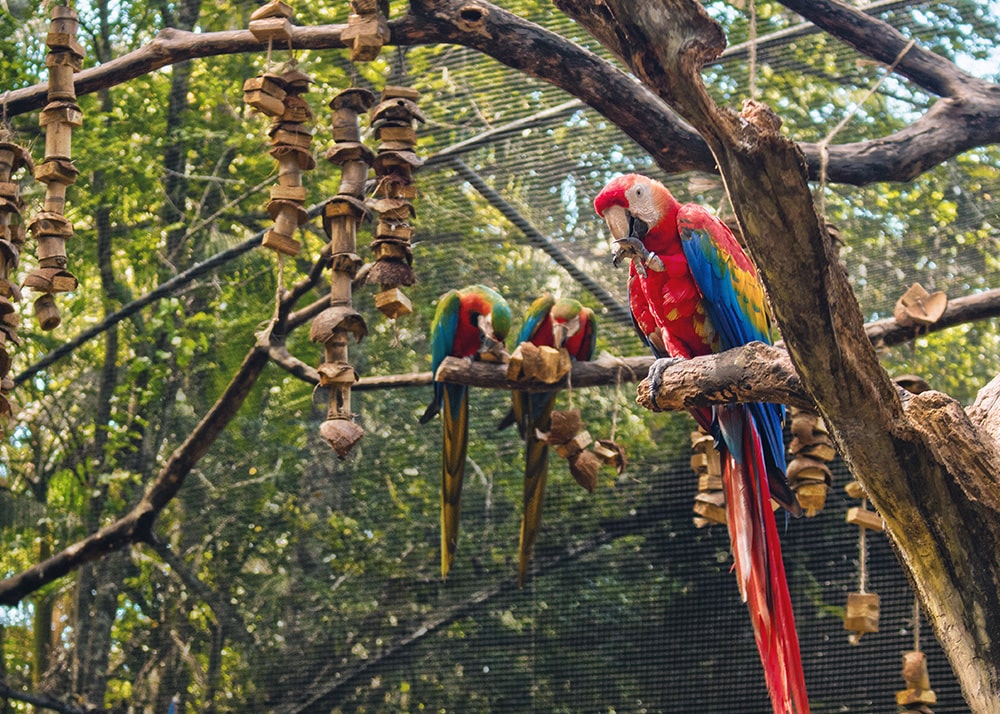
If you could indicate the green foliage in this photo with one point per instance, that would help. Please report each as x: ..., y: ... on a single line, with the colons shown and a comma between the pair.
x: 283, y: 570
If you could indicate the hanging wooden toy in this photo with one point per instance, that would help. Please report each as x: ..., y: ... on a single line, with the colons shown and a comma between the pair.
x: 571, y: 439
x: 710, y: 501
x: 540, y: 363
x: 291, y: 142
x: 12, y: 237
x: 610, y: 452
x: 862, y: 613
x: 266, y: 92
x: 367, y: 29
x: 394, y: 120
x: 277, y: 93
x: 61, y: 115
x: 918, y: 695
x: 919, y: 308
x: 341, y: 217
x: 811, y: 448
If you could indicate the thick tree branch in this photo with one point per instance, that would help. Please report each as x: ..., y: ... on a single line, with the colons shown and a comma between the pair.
x: 884, y: 43
x: 8, y: 692
x: 963, y: 119
x: 754, y: 373
x: 136, y: 525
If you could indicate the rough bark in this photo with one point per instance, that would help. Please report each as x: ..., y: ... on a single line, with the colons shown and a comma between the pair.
x: 947, y: 541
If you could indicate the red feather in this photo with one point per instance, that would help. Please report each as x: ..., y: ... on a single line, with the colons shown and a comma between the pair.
x: 760, y: 569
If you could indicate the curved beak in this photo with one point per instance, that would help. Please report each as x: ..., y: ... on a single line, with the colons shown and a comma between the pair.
x: 617, y: 219
x: 562, y: 331
x: 627, y: 233
x: 491, y: 349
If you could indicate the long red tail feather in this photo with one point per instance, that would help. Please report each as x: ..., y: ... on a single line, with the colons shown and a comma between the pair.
x: 760, y: 572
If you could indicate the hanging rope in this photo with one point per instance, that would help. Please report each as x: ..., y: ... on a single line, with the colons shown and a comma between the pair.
x: 752, y: 46
x: 824, y: 144
x: 863, y: 556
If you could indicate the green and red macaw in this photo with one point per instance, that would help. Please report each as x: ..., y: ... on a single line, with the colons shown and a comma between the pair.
x: 563, y: 323
x: 470, y: 322
x: 693, y: 291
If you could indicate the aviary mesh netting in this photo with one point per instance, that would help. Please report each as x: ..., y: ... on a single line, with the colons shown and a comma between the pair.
x: 289, y: 581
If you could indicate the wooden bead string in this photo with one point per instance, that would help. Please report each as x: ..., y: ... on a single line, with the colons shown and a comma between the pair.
x: 50, y: 227
x: 862, y: 611
x: 341, y: 217
x: 811, y: 449
x: 278, y: 94
x: 394, y: 120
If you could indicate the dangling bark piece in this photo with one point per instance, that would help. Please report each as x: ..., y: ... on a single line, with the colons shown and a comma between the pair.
x: 271, y: 22
x: 367, y: 29
x: 862, y: 614
x: 571, y: 440
x: 612, y: 454
x: 544, y: 364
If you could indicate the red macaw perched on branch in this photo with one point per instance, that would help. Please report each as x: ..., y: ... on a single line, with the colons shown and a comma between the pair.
x: 693, y: 291
x: 548, y: 323
x: 469, y: 323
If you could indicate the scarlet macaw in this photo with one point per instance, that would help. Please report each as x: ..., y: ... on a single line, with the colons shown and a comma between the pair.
x: 470, y: 322
x: 693, y: 291
x: 548, y: 323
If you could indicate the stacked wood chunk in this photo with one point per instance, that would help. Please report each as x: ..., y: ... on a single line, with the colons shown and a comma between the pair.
x: 394, y: 120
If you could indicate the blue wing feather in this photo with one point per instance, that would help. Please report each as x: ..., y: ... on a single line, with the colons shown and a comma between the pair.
x: 739, y: 316
x: 443, y: 330
x: 535, y: 316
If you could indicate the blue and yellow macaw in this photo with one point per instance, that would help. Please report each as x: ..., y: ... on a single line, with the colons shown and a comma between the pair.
x: 693, y: 291
x: 470, y: 322
x: 562, y: 323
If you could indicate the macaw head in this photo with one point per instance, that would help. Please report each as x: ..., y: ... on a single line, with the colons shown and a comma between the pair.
x: 633, y: 207
x: 492, y: 317
x: 566, y: 320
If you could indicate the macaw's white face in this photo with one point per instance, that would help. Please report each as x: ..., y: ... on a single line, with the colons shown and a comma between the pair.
x: 563, y: 330
x: 641, y: 206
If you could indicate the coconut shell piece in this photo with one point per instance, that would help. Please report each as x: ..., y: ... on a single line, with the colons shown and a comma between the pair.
x: 390, y: 274
x: 341, y: 435
x: 357, y: 99
x: 339, y: 316
x: 919, y: 307
x: 349, y: 151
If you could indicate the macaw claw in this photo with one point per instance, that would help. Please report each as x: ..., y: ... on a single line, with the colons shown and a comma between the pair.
x: 632, y: 247
x: 655, y: 376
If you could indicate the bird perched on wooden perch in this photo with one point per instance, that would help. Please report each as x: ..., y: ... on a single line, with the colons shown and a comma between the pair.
x: 693, y: 291
x: 471, y: 322
x: 560, y: 324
